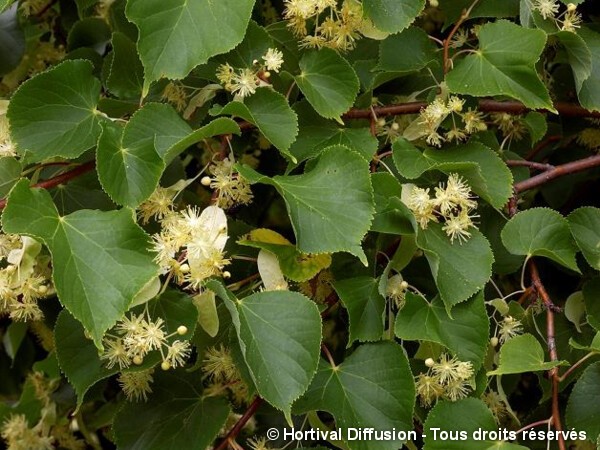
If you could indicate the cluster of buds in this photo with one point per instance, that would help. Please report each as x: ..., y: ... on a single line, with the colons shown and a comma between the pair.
x: 24, y: 279
x: 339, y: 29
x: 223, y: 375
x: 243, y: 82
x: 453, y: 204
x: 190, y: 245
x: 464, y: 123
x: 137, y: 335
x: 230, y: 188
x: 568, y: 20
x: 447, y: 378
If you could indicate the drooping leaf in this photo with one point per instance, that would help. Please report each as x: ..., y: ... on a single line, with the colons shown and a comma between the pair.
x: 483, y: 169
x: 521, y: 354
x: 328, y: 82
x: 365, y: 305
x: 503, y: 65
x: 54, y: 113
x: 175, y: 416
x: 331, y: 206
x: 459, y: 269
x: 408, y: 51
x: 271, y: 113
x: 541, y: 232
x: 130, y: 160
x: 279, y: 334
x: 392, y: 15
x: 579, y: 56
x: 469, y: 416
x: 373, y: 387
x: 465, y: 333
x: 10, y: 172
x: 585, y: 228
x: 589, y: 94
x: 125, y: 77
x: 583, y: 409
x: 173, y: 41
x: 100, y: 259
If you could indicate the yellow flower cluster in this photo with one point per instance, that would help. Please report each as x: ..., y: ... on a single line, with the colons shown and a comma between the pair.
x: 569, y: 20
x: 220, y: 369
x: 231, y: 188
x: 7, y: 147
x: 447, y: 378
x: 453, y: 204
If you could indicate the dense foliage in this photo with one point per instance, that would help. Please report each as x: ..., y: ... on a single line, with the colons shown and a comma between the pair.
x: 222, y: 217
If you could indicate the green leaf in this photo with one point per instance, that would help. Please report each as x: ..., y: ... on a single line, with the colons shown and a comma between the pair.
x: 125, y: 77
x: 536, y: 124
x: 331, y: 206
x: 13, y: 338
x: 12, y: 40
x: 130, y: 160
x: 328, y: 82
x: 99, y: 258
x: 173, y: 41
x: 392, y: 15
x: 485, y: 172
x: 503, y: 65
x: 271, y: 113
x: 541, y: 232
x: 589, y: 94
x: 391, y: 215
x: 459, y: 270
x: 365, y: 305
x: 470, y: 416
x: 54, y: 113
x: 279, y: 333
x: 373, y: 387
x: 78, y: 356
x: 585, y: 228
x: 10, y: 172
x: 579, y: 56
x: 521, y: 354
x: 484, y: 8
x: 255, y: 44
x: 408, y: 51
x: 583, y: 409
x: 90, y: 32
x: 591, y: 294
x: 465, y: 333
x: 317, y: 133
x: 176, y: 416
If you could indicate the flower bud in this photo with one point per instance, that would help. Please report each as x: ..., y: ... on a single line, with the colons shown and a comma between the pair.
x: 138, y: 360
x: 226, y: 274
x: 494, y: 341
x: 165, y: 365
x: 205, y: 181
x: 429, y: 362
x: 571, y: 7
x: 181, y: 330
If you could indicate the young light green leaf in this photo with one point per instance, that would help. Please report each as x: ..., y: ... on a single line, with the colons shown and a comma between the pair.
x: 130, y: 160
x: 521, y: 354
x: 331, y: 206
x: 575, y: 309
x: 10, y: 172
x: 173, y: 41
x: 271, y: 113
x: 583, y: 409
x: 541, y: 232
x: 408, y: 51
x: 459, y: 270
x: 503, y: 65
x: 208, y: 317
x: 78, y: 356
x: 279, y: 333
x: 176, y: 416
x: 469, y: 415
x: 486, y: 173
x: 54, y: 113
x: 373, y: 387
x: 100, y: 259
x: 125, y: 77
x: 465, y: 334
x: 585, y: 228
x: 328, y: 82
x: 392, y: 15
x: 365, y: 305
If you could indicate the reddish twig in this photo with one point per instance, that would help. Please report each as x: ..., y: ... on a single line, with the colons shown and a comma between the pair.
x: 551, y: 342
x: 530, y: 164
x: 533, y: 425
x: 60, y: 179
x: 232, y: 434
x: 557, y: 171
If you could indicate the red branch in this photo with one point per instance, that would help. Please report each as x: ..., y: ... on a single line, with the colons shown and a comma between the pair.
x: 60, y: 179
x: 553, y: 373
x: 558, y: 171
x: 231, y: 435
x: 530, y: 164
